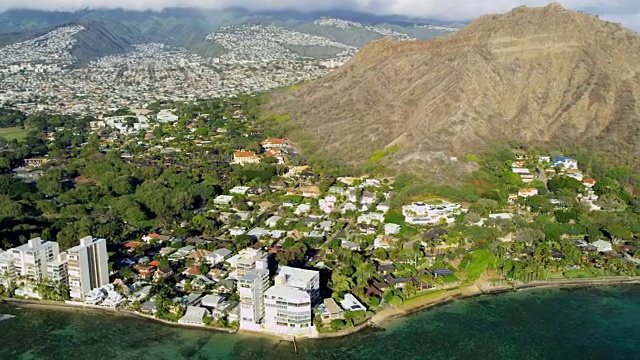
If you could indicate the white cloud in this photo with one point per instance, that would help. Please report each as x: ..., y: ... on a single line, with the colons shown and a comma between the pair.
x: 626, y: 11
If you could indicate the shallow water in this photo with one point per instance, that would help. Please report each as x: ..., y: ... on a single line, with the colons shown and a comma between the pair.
x: 585, y: 323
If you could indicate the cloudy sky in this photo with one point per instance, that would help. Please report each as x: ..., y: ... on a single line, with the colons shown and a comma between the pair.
x: 625, y: 11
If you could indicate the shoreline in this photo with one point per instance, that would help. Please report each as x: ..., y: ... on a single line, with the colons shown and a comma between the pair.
x: 56, y: 305
x: 385, y: 316
x: 475, y: 290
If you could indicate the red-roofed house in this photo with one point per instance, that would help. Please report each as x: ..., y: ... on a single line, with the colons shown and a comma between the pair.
x: 153, y: 236
x: 275, y: 153
x: 192, y: 271
x: 588, y: 183
x: 271, y: 143
x: 245, y: 157
x: 528, y: 192
x: 145, y: 271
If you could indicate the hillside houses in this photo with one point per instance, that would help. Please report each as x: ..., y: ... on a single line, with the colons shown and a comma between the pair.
x: 420, y: 213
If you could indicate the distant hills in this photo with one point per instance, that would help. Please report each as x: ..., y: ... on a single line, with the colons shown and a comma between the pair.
x: 532, y: 76
x: 114, y: 31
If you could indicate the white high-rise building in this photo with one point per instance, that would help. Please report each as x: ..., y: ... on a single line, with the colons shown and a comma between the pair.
x: 288, y: 309
x: 88, y: 266
x: 57, y: 271
x: 301, y: 279
x: 7, y: 268
x: 252, y: 287
x: 247, y: 260
x: 31, y: 259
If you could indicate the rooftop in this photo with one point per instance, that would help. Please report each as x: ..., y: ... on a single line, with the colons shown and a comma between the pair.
x: 297, y: 276
x: 287, y: 292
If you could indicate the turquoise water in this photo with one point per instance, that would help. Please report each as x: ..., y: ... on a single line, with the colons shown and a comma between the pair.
x: 586, y: 323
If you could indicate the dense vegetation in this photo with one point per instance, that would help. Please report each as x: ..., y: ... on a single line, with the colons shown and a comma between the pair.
x: 89, y: 189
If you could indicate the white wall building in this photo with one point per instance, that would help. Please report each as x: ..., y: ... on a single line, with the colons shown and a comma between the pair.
x: 31, y: 259
x: 57, y: 271
x: 252, y: 288
x: 420, y: 213
x: 7, y: 267
x: 287, y: 309
x: 248, y: 260
x: 301, y: 279
x: 88, y: 266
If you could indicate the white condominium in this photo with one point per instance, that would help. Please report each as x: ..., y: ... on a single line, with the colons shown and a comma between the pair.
x: 31, y: 259
x: 87, y: 266
x: 301, y: 279
x: 247, y: 261
x: 252, y: 288
x: 7, y: 268
x: 287, y: 309
x: 57, y: 269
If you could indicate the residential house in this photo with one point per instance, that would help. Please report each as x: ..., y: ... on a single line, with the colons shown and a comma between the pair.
x: 368, y: 198
x: 602, y: 246
x: 420, y: 213
x: 199, y: 255
x: 329, y: 310
x: 383, y: 242
x: 218, y: 256
x: 324, y: 226
x: 218, y: 305
x: 328, y: 204
x: 565, y: 162
x: 35, y: 162
x: 312, y: 192
x: 348, y: 207
x: 272, y: 143
x: 273, y: 221
x: 528, y: 192
x: 383, y: 207
x: 245, y: 157
x: 351, y: 303
x: 226, y: 286
x: 391, y: 229
x: 239, y: 190
x: 237, y: 231
x: 223, y: 200
x: 371, y: 217
x: 302, y: 209
x: 145, y: 271
x: 194, y: 316
x: 182, y: 253
x: 349, y: 245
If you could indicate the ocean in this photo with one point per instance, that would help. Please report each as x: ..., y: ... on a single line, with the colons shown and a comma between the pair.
x: 575, y: 323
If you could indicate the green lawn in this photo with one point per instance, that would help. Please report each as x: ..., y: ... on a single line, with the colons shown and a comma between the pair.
x: 17, y: 133
x: 394, y: 217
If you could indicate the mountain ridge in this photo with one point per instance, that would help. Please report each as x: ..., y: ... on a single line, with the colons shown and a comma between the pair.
x: 544, y: 75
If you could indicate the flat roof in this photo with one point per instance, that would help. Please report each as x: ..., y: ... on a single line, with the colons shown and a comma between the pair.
x: 296, y: 274
x: 331, y: 306
x: 287, y: 292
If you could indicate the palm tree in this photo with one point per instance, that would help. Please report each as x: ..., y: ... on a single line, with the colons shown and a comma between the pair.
x: 363, y: 272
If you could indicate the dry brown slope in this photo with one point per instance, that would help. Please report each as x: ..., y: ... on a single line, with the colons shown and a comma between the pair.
x: 532, y: 75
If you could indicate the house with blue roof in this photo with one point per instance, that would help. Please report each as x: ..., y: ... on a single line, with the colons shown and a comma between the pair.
x: 567, y: 163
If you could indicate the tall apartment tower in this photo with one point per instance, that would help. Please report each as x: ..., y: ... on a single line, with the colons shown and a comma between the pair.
x: 249, y: 260
x: 252, y: 287
x: 57, y: 271
x: 88, y: 266
x: 7, y: 268
x: 31, y: 259
x: 287, y: 309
